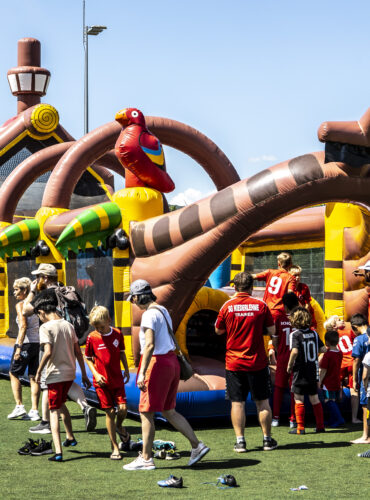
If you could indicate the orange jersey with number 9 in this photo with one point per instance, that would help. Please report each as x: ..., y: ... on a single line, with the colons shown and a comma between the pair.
x: 278, y: 283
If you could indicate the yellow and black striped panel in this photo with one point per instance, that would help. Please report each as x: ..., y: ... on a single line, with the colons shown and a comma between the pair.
x: 237, y: 262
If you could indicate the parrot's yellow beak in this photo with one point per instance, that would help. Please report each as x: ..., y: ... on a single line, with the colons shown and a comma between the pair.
x: 121, y: 116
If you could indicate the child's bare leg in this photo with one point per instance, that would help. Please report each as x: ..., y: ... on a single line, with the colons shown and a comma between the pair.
x: 121, y: 415
x: 67, y: 421
x: 55, y: 430
x: 110, y: 421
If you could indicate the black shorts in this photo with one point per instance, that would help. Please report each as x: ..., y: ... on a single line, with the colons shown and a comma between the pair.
x: 29, y: 358
x: 240, y: 383
x: 302, y: 389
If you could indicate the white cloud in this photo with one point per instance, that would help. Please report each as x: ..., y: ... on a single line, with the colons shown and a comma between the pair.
x: 257, y: 159
x: 189, y: 196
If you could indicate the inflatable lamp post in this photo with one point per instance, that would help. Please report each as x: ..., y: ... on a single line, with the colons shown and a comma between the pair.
x: 28, y: 81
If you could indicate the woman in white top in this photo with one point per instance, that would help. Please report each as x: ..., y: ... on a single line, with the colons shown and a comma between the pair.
x: 25, y: 354
x: 158, y: 377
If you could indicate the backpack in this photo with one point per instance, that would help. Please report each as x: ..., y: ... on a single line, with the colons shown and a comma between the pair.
x: 72, y: 309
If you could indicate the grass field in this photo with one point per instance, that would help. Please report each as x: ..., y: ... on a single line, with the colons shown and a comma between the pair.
x: 326, y: 463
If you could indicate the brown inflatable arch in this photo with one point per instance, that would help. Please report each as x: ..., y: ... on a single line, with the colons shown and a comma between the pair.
x: 101, y: 140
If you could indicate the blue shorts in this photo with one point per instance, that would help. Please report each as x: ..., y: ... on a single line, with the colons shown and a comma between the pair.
x: 363, y: 397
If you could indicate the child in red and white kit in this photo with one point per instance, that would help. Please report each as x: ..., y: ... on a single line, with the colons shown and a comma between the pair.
x: 330, y: 368
x: 105, y: 350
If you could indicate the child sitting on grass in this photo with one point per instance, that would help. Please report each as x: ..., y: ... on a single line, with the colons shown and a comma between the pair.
x: 330, y: 367
x: 104, y: 352
x: 303, y: 362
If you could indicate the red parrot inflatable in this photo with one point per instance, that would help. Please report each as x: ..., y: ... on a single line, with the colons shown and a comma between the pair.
x: 141, y: 153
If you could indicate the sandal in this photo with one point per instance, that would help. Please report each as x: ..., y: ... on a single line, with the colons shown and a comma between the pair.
x: 114, y: 456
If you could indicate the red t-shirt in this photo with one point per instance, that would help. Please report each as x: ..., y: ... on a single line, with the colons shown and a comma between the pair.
x: 304, y: 296
x: 278, y: 283
x: 106, y: 351
x: 283, y: 330
x: 346, y: 338
x: 244, y: 318
x: 331, y: 361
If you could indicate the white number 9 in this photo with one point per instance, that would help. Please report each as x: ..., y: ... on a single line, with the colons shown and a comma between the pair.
x: 274, y: 285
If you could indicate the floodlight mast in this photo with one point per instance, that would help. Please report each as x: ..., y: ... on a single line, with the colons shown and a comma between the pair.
x: 86, y: 31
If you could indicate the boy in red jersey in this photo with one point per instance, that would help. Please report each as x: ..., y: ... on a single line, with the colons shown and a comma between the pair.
x: 346, y: 339
x: 104, y: 352
x: 281, y: 343
x: 244, y: 319
x: 330, y: 364
x: 278, y: 282
x: 303, y: 362
x: 303, y: 292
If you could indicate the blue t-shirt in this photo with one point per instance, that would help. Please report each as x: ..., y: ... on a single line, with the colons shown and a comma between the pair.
x: 361, y: 345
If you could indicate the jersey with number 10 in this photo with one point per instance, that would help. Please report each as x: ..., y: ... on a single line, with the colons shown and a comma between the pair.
x: 306, y: 366
x: 278, y: 283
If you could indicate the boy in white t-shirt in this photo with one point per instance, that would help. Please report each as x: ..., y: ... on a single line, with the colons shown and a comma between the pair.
x: 60, y: 353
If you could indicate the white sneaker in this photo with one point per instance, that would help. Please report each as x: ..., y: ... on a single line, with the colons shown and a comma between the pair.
x: 140, y: 464
x: 198, y: 453
x: 18, y: 411
x: 274, y: 422
x: 33, y: 415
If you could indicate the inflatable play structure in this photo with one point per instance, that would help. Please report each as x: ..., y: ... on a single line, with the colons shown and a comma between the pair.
x: 58, y: 205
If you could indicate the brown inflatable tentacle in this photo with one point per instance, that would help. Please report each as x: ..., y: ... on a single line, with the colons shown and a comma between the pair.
x: 99, y: 141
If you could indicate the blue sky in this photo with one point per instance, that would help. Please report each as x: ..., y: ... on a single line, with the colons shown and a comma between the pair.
x: 257, y: 77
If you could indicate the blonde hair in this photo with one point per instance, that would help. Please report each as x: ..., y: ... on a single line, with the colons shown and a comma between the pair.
x: 300, y: 318
x: 99, y: 313
x: 330, y: 322
x: 285, y: 260
x: 295, y: 269
x: 22, y: 283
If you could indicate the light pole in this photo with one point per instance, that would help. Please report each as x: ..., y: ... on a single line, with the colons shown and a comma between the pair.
x: 88, y: 30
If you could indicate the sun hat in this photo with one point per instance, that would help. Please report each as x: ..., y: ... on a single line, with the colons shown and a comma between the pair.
x: 46, y: 269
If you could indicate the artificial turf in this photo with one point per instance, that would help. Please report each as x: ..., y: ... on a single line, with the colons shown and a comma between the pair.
x: 326, y: 463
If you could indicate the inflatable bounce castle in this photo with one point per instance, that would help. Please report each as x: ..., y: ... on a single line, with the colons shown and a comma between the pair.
x: 58, y: 205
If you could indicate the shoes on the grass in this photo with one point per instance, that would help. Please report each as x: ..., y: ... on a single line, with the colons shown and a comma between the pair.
x: 269, y: 444
x: 69, y: 442
x: 44, y: 448
x: 240, y: 447
x: 365, y: 454
x: 32, y: 415
x: 58, y: 457
x: 198, y: 453
x: 319, y: 431
x: 295, y: 430
x: 30, y: 445
x: 292, y: 424
x: 171, y: 482
x: 167, y: 455
x: 140, y: 464
x: 124, y: 445
x: 19, y: 411
x: 90, y: 418
x: 275, y: 422
x: 41, y: 428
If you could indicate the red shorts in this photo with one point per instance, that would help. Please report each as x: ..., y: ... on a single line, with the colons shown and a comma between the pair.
x: 282, y: 377
x: 346, y: 376
x: 57, y: 394
x: 110, y: 397
x: 161, y: 380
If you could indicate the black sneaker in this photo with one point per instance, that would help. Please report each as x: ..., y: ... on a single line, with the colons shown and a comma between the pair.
x: 58, y: 457
x: 365, y: 454
x: 90, y: 418
x: 297, y: 431
x: 319, y: 431
x: 41, y: 428
x: 124, y: 445
x: 44, y: 448
x: 240, y: 447
x: 69, y: 442
x: 28, y: 447
x: 269, y: 444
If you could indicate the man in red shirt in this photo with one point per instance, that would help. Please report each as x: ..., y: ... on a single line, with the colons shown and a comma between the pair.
x: 278, y: 283
x: 303, y: 293
x: 245, y: 319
